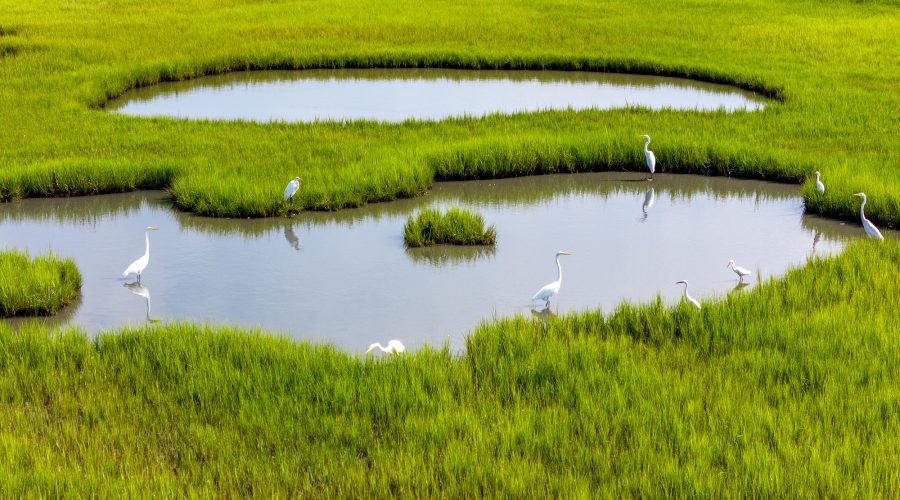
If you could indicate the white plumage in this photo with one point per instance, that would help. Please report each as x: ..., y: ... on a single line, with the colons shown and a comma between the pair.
x: 740, y: 271
x: 649, y: 157
x: 138, y: 266
x: 552, y: 288
x: 291, y: 188
x: 688, y: 297
x: 819, y: 186
x: 392, y: 347
x: 870, y: 228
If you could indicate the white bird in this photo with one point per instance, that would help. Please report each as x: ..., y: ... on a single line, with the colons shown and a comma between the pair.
x: 649, y: 157
x: 291, y: 188
x: 740, y: 271
x: 870, y: 228
x: 819, y: 186
x: 392, y: 347
x: 138, y: 266
x: 551, y: 289
x: 688, y: 297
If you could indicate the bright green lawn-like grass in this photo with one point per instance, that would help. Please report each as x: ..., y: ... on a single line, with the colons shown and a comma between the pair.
x: 831, y: 67
x: 456, y: 226
x: 38, y: 286
x: 790, y: 389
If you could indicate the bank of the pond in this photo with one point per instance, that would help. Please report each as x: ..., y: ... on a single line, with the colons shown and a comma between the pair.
x: 36, y: 286
x: 787, y: 390
x: 836, y: 91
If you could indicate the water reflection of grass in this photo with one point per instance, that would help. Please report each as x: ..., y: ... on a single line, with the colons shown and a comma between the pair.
x: 444, y: 255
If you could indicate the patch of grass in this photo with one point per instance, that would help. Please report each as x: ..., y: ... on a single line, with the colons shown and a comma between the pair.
x: 38, y: 286
x: 823, y: 63
x: 456, y: 226
x: 788, y: 389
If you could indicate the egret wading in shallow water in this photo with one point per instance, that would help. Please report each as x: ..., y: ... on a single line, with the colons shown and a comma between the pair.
x: 138, y: 266
x: 291, y: 188
x: 870, y: 228
x: 819, y: 186
x: 650, y: 158
x: 392, y: 347
x: 551, y: 289
x: 688, y: 297
x: 740, y: 271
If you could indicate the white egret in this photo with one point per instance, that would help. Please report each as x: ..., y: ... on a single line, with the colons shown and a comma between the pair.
x: 870, y: 228
x: 392, y: 347
x: 138, y: 266
x: 688, y: 297
x: 740, y: 271
x: 291, y: 188
x: 819, y: 186
x: 551, y: 289
x: 649, y: 157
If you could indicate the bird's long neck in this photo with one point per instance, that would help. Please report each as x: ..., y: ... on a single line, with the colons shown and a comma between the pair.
x: 862, y: 208
x: 558, y: 270
x: 147, y: 239
x: 685, y: 290
x: 646, y: 145
x: 817, y: 175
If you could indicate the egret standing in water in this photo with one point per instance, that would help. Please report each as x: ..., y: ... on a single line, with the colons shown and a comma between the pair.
x: 138, y: 266
x: 650, y: 158
x: 392, y: 347
x: 688, y: 297
x: 291, y: 188
x: 870, y: 228
x: 740, y: 271
x: 551, y: 289
x: 819, y: 186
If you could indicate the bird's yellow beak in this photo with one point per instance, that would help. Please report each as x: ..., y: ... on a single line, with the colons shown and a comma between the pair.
x: 564, y: 253
x: 151, y: 228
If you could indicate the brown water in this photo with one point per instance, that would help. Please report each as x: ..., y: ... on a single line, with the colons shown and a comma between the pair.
x: 394, y: 95
x: 345, y: 277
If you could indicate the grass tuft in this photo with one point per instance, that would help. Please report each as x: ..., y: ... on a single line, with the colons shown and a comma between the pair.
x: 456, y: 226
x: 39, y: 286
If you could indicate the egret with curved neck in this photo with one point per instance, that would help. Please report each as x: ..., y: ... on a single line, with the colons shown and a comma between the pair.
x: 740, y: 271
x: 552, y: 288
x: 870, y: 228
x: 688, y: 297
x: 819, y: 186
x: 138, y: 266
x: 392, y: 347
x: 650, y: 158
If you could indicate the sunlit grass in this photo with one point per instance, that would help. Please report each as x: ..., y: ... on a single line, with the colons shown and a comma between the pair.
x: 36, y: 286
x: 788, y: 389
x: 456, y: 226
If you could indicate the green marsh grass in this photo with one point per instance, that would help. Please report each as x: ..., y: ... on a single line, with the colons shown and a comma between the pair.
x: 788, y: 389
x: 456, y: 226
x: 36, y: 286
x: 826, y: 66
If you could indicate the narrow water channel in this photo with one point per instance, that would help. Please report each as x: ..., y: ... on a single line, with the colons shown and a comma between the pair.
x: 346, y: 278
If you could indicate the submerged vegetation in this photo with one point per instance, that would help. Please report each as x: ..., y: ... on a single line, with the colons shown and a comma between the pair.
x: 456, y: 226
x: 38, y: 286
x: 789, y: 389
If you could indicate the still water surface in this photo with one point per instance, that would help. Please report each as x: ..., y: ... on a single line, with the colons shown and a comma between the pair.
x: 345, y: 277
x: 394, y: 95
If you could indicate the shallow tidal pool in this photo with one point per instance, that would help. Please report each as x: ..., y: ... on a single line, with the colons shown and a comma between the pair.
x: 346, y: 278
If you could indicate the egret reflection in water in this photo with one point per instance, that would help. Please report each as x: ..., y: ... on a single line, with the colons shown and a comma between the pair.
x: 291, y: 237
x: 649, y: 200
x: 138, y: 289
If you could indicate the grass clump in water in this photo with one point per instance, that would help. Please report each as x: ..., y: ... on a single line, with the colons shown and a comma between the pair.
x: 38, y: 286
x: 455, y: 227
